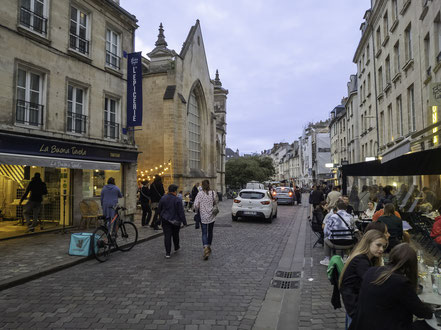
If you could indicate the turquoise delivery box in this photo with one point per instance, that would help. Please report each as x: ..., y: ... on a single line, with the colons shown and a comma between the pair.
x: 81, y: 244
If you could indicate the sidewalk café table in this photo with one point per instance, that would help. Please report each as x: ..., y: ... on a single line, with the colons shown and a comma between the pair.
x: 362, y: 223
x: 430, y: 297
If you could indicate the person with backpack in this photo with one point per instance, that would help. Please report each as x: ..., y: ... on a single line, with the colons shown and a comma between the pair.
x: 38, y: 189
x: 156, y: 192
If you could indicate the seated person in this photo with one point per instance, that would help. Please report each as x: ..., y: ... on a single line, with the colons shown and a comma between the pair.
x: 387, y: 298
x: 394, y: 225
x: 370, y: 211
x: 378, y: 226
x: 349, y: 208
x: 380, y: 212
x: 328, y: 215
x: 367, y: 253
x: 340, y: 221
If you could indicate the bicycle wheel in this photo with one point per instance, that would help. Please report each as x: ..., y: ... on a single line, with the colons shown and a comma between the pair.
x: 127, y: 236
x: 101, y: 244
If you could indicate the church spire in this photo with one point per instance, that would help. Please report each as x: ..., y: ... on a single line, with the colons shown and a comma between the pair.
x: 161, y: 38
x: 217, y: 81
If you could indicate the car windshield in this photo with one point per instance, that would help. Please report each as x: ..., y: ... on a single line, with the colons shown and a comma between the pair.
x: 282, y: 190
x: 251, y: 195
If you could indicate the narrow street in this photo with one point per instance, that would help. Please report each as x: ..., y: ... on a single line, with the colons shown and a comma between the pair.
x: 143, y: 290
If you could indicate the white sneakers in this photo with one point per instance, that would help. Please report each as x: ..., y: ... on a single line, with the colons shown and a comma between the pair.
x: 325, y: 262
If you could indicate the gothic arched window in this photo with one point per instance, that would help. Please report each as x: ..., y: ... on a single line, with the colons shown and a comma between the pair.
x: 194, y: 132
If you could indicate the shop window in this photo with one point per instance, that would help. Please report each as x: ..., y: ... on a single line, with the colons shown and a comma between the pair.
x: 95, y: 180
x: 29, y: 103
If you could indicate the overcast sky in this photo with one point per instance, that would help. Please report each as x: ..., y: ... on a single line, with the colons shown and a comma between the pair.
x: 284, y: 62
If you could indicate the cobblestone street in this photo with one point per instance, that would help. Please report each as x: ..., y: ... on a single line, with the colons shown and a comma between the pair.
x: 142, y: 290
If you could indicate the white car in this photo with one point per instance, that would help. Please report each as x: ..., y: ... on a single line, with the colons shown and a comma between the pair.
x: 257, y: 203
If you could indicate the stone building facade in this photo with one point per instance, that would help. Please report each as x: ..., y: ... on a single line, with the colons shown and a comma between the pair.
x: 398, y: 65
x: 183, y: 134
x: 62, y: 95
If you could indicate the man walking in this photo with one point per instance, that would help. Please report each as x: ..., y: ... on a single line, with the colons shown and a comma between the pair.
x: 172, y: 214
x: 37, y: 188
x: 144, y: 199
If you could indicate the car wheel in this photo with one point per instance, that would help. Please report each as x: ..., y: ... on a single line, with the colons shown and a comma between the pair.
x: 270, y: 219
x: 234, y: 218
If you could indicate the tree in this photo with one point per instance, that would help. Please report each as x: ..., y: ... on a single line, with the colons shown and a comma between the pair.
x: 241, y: 170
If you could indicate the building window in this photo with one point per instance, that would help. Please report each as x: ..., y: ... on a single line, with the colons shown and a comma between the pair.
x: 378, y: 38
x: 390, y: 133
x: 437, y: 39
x: 111, y: 122
x: 194, y: 133
x: 427, y: 53
x: 369, y: 83
x: 387, y: 63
x: 408, y: 39
x: 76, y: 118
x: 394, y: 10
x: 380, y: 80
x: 79, y: 25
x: 32, y: 15
x: 113, y: 49
x: 385, y: 25
x: 399, y: 116
x: 411, y: 109
x: 397, y: 57
x: 367, y: 52
x: 29, y: 106
x: 362, y: 123
x: 383, y: 128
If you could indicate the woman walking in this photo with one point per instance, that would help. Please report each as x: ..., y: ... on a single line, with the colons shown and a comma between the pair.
x: 206, y: 202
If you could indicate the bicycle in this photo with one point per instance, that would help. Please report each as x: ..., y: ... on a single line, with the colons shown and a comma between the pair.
x: 123, y: 236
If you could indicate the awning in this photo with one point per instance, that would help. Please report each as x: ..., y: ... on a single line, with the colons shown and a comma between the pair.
x: 401, y: 149
x: 17, y: 159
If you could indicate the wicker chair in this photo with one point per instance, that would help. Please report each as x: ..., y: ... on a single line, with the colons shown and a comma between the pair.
x: 89, y: 212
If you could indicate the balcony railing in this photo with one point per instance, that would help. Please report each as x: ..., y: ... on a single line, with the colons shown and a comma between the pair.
x: 29, y: 113
x: 111, y: 130
x: 113, y: 60
x: 76, y: 123
x: 33, y: 20
x: 79, y: 44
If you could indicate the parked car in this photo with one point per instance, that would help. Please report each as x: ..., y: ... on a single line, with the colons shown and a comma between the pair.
x: 256, y: 203
x: 284, y: 195
x: 254, y: 185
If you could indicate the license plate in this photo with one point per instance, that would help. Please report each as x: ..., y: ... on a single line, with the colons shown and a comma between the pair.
x: 249, y: 213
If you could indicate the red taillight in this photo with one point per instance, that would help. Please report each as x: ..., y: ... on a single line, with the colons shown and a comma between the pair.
x: 265, y: 202
x: 236, y: 201
x: 290, y: 194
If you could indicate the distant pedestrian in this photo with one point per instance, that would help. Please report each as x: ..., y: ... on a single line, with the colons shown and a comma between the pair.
x: 172, y: 216
x: 38, y: 189
x: 109, y: 198
x: 193, y: 194
x: 205, y: 202
x: 144, y: 200
x: 156, y: 192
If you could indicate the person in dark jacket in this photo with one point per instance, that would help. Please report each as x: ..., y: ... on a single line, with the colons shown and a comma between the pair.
x: 109, y: 198
x: 172, y: 215
x: 156, y: 192
x: 394, y: 225
x: 193, y: 194
x: 388, y: 298
x: 144, y: 200
x: 38, y: 189
x: 316, y: 197
x: 366, y: 254
x: 386, y: 197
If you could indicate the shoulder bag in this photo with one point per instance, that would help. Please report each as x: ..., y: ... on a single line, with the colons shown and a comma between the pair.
x: 215, y: 209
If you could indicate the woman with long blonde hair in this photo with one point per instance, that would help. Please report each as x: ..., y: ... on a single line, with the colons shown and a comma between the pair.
x: 367, y: 253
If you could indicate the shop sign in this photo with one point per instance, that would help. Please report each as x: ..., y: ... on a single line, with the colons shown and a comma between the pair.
x: 55, y: 149
x: 134, y: 90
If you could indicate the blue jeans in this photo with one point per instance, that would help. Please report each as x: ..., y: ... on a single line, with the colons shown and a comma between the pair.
x: 207, y: 233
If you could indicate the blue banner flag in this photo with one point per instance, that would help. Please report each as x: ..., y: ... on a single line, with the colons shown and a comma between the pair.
x: 134, y: 90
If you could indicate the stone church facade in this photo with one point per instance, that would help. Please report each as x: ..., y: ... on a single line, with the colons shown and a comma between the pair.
x: 183, y: 133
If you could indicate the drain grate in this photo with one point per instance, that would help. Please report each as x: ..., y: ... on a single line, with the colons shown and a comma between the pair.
x: 283, y: 274
x: 285, y: 284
